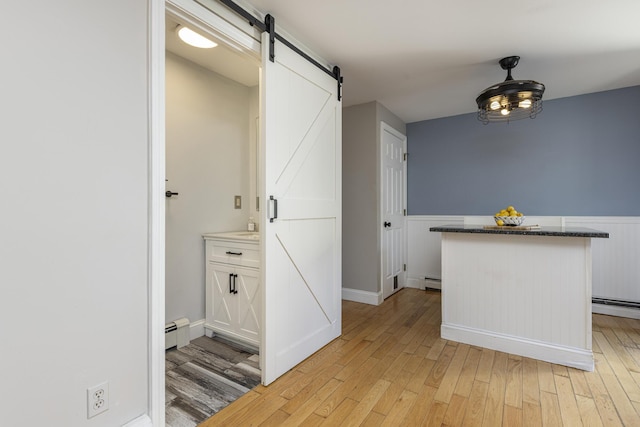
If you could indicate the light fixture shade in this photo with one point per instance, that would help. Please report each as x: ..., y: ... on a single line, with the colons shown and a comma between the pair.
x: 194, y: 39
x: 511, y: 99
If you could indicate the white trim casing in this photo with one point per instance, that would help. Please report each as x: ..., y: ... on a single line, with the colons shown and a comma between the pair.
x: 156, y: 268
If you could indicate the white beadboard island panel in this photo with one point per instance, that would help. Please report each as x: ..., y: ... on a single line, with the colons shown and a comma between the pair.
x: 616, y: 270
x: 525, y: 295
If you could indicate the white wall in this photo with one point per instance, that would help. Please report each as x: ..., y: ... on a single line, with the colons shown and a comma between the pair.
x: 74, y: 209
x: 208, y: 144
x: 359, y: 198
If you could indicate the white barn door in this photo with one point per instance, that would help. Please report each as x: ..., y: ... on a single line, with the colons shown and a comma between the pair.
x: 301, y: 151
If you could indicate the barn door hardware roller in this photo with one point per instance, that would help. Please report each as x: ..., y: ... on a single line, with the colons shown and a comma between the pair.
x: 269, y: 25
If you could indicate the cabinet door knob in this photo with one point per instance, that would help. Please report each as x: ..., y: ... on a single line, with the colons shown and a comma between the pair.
x: 387, y: 224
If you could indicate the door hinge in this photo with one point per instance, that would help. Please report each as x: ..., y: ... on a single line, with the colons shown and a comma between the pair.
x: 405, y: 156
x: 404, y: 267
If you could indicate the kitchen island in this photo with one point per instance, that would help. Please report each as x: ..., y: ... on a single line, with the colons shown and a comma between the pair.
x: 525, y: 292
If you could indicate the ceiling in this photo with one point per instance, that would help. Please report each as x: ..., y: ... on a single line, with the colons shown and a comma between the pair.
x: 426, y: 59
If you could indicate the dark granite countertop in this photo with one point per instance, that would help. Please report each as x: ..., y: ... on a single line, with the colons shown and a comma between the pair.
x: 543, y: 231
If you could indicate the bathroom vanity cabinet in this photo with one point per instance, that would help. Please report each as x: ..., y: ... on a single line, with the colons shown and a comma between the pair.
x: 233, y: 295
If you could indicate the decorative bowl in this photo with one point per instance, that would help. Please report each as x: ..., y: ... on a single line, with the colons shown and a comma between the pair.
x: 510, y: 220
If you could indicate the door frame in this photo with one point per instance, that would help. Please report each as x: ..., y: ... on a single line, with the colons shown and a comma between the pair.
x: 388, y: 128
x: 237, y: 34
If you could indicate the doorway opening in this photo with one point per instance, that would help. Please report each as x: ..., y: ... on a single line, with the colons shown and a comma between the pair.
x: 212, y: 149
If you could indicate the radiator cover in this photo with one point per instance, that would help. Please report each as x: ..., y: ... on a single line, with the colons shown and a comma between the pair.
x: 176, y: 333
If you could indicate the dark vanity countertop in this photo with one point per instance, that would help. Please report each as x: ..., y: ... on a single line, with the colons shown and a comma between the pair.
x: 543, y: 231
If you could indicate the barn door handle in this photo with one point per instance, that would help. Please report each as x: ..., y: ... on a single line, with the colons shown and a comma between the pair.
x: 387, y: 224
x: 230, y: 283
x: 235, y: 289
x: 273, y: 202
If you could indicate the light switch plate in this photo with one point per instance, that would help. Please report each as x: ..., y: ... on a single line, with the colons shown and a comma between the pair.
x: 237, y: 202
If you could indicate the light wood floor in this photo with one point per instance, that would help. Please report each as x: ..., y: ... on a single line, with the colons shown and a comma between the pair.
x: 391, y: 368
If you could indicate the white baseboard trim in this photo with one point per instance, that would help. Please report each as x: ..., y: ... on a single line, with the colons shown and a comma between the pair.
x: 415, y: 283
x: 423, y: 283
x: 567, y: 356
x: 241, y: 342
x: 365, y: 297
x: 196, y: 329
x: 613, y: 310
x: 141, y: 421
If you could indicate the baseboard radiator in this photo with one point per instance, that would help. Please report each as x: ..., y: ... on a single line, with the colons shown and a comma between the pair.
x: 176, y: 333
x: 618, y: 303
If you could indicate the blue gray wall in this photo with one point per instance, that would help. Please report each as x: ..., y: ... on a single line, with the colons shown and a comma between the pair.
x: 579, y: 157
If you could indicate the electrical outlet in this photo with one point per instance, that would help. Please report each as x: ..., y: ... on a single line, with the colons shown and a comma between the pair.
x: 97, y: 399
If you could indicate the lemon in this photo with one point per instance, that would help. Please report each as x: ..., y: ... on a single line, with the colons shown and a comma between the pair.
x: 500, y: 222
x: 510, y: 208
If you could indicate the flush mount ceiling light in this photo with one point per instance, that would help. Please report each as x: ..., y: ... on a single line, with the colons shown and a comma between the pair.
x: 511, y: 99
x: 194, y: 39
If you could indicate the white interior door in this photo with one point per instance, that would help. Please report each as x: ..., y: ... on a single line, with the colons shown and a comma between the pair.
x: 393, y: 146
x: 301, y: 151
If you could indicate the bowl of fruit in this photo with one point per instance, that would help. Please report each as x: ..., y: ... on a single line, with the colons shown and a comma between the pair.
x: 509, y: 217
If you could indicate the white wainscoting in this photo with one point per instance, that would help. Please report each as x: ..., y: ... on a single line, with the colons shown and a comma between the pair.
x: 423, y: 250
x: 616, y: 260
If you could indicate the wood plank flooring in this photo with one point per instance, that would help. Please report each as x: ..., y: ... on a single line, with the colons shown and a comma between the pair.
x: 204, y: 377
x: 390, y: 368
